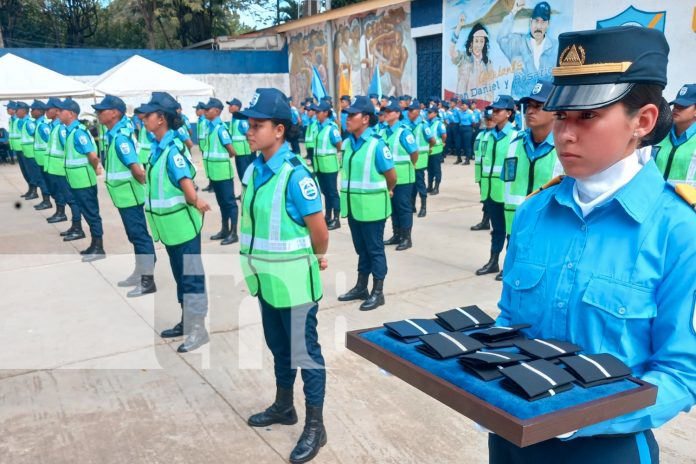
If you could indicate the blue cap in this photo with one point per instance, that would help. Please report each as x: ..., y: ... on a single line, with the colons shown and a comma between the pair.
x: 505, y: 102
x: 360, y: 104
x: 433, y: 109
x: 11, y: 105
x: 70, y: 105
x: 159, y: 101
x: 268, y: 104
x: 415, y: 105
x: 488, y: 113
x: 199, y: 106
x: 326, y: 98
x: 38, y: 105
x: 393, y: 105
x: 454, y: 100
x: 235, y: 102
x: 540, y: 92
x: 373, y: 95
x: 214, y: 103
x: 686, y: 96
x: 445, y: 105
x: 542, y: 10
x: 599, y: 67
x: 345, y: 98
x: 322, y: 106
x: 53, y: 102
x: 110, y: 102
x: 20, y: 105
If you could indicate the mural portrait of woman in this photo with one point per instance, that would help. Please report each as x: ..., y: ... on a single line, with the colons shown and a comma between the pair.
x: 475, y: 70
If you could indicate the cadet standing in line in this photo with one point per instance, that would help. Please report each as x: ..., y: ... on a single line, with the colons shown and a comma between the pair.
x: 125, y: 179
x: 424, y: 142
x: 82, y: 167
x: 488, y: 124
x: 328, y: 144
x: 221, y: 172
x: 238, y: 130
x: 13, y: 135
x: 294, y: 140
x: 494, y: 149
x: 675, y: 155
x: 202, y: 134
x: 345, y: 103
x: 283, y: 246
x: 310, y: 132
x: 174, y: 212
x: 454, y: 124
x: 437, y: 128
x: 531, y: 161
x: 602, y: 258
x: 20, y: 115
x: 26, y: 143
x: 404, y: 150
x: 368, y: 178
x: 40, y: 148
x: 466, y: 131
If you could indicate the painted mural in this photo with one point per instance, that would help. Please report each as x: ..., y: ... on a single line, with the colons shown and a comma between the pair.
x: 307, y: 47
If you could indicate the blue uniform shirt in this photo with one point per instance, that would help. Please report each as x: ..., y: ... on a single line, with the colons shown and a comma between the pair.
x: 299, y: 202
x: 686, y: 135
x: 182, y: 134
x: 178, y: 166
x: 518, y: 120
x: 466, y: 117
x: 224, y: 134
x: 344, y: 117
x: 441, y: 129
x: 43, y: 128
x: 619, y: 281
x: 534, y: 152
x: 31, y: 125
x: 62, y: 132
x: 187, y: 123
x: 499, y: 134
x: 454, y: 115
x: 334, y: 135
x: 408, y: 141
x: 383, y: 157
x: 305, y: 119
x: 295, y: 115
x: 243, y: 127
x: 125, y: 149
x: 83, y: 142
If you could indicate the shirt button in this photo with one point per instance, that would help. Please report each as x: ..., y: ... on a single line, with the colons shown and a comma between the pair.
x: 622, y: 310
x: 517, y: 283
x: 570, y: 265
x: 560, y: 304
x: 583, y: 227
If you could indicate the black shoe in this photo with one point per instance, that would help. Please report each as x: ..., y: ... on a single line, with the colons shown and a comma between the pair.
x: 281, y: 411
x: 76, y: 234
x: 312, y: 439
x: 423, y: 211
x: 196, y: 334
x: 31, y: 195
x: 491, y: 267
x: 45, y: 204
x: 231, y: 238
x: 359, y: 292
x: 405, y: 242
x: 436, y: 189
x: 176, y: 331
x: 224, y: 232
x: 24, y: 195
x: 334, y: 224
x: 58, y: 216
x: 95, y: 251
x: 395, y: 238
x: 209, y: 188
x: 376, y: 298
x: 69, y: 231
x: 499, y: 276
x: 146, y: 286
x: 459, y: 160
x: 483, y: 225
x: 413, y: 205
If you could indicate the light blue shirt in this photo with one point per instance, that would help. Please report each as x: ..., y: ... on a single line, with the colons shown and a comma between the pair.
x: 535, y: 152
x: 344, y: 118
x: 82, y: 141
x: 686, y: 135
x: 383, y: 157
x: 125, y: 149
x: 43, y: 128
x: 618, y: 281
x: 334, y: 135
x: 466, y: 117
x: 407, y: 140
x: 499, y: 134
x: 224, y: 134
x: 178, y: 165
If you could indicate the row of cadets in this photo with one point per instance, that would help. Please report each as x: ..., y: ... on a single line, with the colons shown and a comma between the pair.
x: 327, y: 144
x: 425, y: 140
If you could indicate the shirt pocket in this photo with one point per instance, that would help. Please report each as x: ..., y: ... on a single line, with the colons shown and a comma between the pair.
x: 527, y: 284
x: 621, y: 314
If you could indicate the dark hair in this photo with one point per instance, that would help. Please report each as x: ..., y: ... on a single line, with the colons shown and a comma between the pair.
x: 470, y: 40
x: 292, y: 131
x: 174, y: 121
x: 645, y: 94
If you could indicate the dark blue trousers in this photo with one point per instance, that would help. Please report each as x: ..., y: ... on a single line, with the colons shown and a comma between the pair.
x: 419, y: 187
x: 35, y: 176
x: 89, y: 208
x: 466, y: 141
x: 241, y: 163
x: 64, y: 196
x: 136, y: 229
x: 23, y: 167
x: 224, y: 194
x: 44, y: 176
x: 435, y: 169
x: 368, y: 241
x: 291, y: 335
x: 639, y: 448
x: 496, y: 211
x: 187, y: 267
x: 455, y: 139
x: 402, y: 208
x: 329, y: 187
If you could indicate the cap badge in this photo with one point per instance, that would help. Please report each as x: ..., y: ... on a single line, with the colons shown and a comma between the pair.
x: 537, y: 88
x: 254, y: 99
x: 573, y: 55
x: 683, y: 91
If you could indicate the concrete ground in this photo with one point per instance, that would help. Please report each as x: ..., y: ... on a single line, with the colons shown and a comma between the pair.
x: 85, y: 378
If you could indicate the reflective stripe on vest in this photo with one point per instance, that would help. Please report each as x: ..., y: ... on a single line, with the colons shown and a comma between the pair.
x: 405, y: 171
x: 325, y: 153
x: 439, y: 145
x: 423, y: 147
x: 677, y: 163
x: 27, y: 140
x: 239, y: 140
x: 55, y: 158
x: 124, y: 189
x: 78, y: 171
x: 217, y: 161
x: 364, y: 191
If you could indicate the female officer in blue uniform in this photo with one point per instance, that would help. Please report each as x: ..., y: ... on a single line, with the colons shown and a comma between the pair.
x: 175, y: 215
x: 605, y: 258
x: 283, y: 239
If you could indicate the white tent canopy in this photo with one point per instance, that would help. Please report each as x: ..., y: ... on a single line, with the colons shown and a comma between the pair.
x: 139, y: 76
x: 21, y: 79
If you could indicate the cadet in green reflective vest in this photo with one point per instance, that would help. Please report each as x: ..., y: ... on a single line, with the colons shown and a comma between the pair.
x: 675, y: 155
x: 437, y: 128
x: 175, y: 215
x: 494, y: 149
x: 283, y: 243
x: 81, y: 168
x: 327, y: 145
x: 26, y: 139
x: 311, y: 132
x: 13, y: 135
x: 202, y: 134
x: 488, y: 124
x: 425, y: 140
x: 144, y: 140
x: 21, y: 115
x: 101, y: 142
x: 402, y: 145
x: 238, y: 130
x: 40, y: 134
x: 368, y: 178
x: 531, y: 161
x: 125, y: 182
x: 221, y: 172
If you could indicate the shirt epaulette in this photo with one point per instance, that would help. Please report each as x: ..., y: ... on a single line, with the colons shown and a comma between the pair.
x: 555, y: 181
x: 294, y: 162
x: 688, y: 193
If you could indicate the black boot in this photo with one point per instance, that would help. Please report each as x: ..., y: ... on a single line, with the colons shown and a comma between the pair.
x: 232, y: 237
x: 405, y: 242
x: 499, y: 276
x: 359, y: 292
x: 312, y: 439
x: 484, y: 224
x: 491, y: 266
x: 95, y: 251
x: 24, y: 195
x: 423, y: 210
x: 31, y: 195
x: 176, y: 331
x: 69, y: 231
x: 395, y: 238
x: 209, y: 188
x: 413, y: 205
x: 45, y: 204
x: 281, y: 411
x: 146, y: 286
x: 74, y: 233
x: 224, y: 232
x: 334, y: 223
x: 430, y: 185
x: 196, y: 334
x: 59, y: 215
x: 376, y: 298
x: 436, y: 189
x: 459, y: 160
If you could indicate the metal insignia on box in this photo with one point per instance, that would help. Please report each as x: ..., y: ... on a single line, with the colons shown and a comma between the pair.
x: 573, y: 55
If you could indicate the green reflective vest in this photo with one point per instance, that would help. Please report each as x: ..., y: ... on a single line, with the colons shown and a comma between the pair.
x: 239, y: 140
x: 78, y: 170
x: 493, y: 154
x: 202, y: 134
x: 523, y: 176
x: 439, y: 144
x: 216, y: 161
x: 55, y: 158
x: 477, y: 154
x: 27, y: 140
x: 144, y: 146
x: 311, y: 134
x: 423, y: 146
x: 40, y: 146
x: 172, y: 221
x: 405, y: 172
x: 101, y: 143
x: 677, y: 163
x: 277, y: 258
x: 325, y: 152
x: 364, y: 191
x: 14, y: 134
x: 124, y: 189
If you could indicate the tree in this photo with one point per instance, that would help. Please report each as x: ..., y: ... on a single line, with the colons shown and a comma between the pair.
x: 290, y: 10
x: 79, y: 18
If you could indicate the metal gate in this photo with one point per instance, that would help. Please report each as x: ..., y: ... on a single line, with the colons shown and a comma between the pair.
x: 429, y: 79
